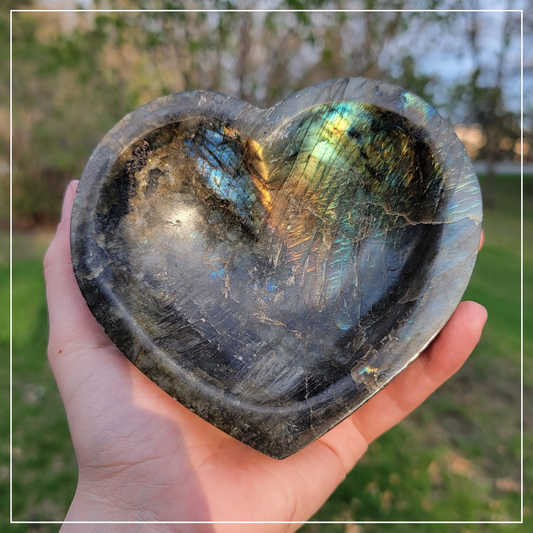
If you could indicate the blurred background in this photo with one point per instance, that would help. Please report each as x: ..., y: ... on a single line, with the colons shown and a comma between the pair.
x: 75, y: 74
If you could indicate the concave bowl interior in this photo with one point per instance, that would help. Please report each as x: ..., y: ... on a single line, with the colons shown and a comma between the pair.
x: 273, y: 269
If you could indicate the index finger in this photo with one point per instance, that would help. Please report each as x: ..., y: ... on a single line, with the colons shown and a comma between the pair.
x: 71, y: 322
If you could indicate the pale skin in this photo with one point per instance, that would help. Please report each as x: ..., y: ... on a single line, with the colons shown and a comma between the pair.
x: 143, y: 456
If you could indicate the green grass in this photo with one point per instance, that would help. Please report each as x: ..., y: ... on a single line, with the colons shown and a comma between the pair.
x: 455, y: 458
x: 458, y: 456
x: 44, y: 465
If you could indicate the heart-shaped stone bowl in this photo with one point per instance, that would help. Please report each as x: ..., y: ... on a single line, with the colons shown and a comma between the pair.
x: 273, y: 269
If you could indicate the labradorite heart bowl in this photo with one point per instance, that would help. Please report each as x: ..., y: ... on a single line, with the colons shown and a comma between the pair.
x: 273, y: 269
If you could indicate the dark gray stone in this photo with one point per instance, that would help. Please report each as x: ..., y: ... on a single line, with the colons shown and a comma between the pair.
x: 273, y: 269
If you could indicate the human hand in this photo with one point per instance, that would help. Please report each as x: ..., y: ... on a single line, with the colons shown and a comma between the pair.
x: 144, y: 457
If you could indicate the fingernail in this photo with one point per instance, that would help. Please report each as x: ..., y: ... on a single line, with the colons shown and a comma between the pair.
x: 66, y: 196
x: 483, y: 309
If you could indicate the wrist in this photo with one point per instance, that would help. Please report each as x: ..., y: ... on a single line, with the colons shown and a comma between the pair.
x: 99, y: 504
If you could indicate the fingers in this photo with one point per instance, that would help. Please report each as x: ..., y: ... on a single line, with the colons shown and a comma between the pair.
x: 481, y: 240
x: 437, y: 363
x: 71, y: 322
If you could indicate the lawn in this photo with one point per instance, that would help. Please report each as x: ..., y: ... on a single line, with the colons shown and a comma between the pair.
x: 455, y: 458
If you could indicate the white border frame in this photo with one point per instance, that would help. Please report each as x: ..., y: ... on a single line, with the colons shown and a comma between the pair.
x: 521, y: 11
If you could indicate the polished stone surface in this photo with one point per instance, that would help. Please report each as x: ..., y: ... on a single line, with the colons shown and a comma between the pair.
x: 273, y: 269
